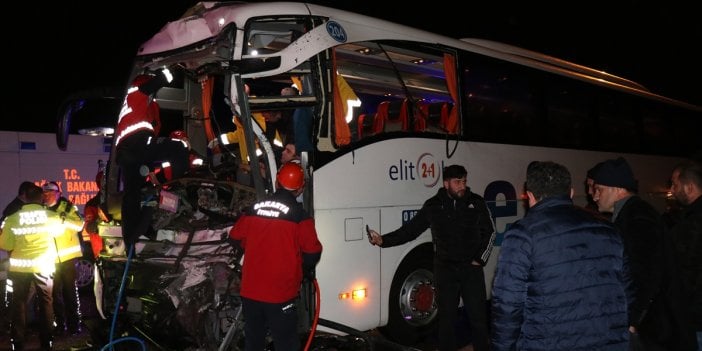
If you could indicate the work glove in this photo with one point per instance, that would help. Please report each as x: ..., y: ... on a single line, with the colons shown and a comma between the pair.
x: 213, y: 143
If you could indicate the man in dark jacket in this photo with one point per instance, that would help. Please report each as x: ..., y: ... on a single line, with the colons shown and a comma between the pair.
x: 280, y: 244
x: 463, y: 234
x: 18, y: 201
x: 655, y: 316
x: 686, y: 187
x: 561, y: 280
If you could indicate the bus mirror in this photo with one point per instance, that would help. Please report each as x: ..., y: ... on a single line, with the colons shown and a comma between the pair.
x: 63, y: 129
x: 88, y: 112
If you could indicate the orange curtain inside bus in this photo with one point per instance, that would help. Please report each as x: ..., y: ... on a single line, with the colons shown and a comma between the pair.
x: 342, y: 132
x: 207, y: 85
x: 452, y: 85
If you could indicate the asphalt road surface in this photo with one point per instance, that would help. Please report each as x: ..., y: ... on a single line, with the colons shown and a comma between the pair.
x: 82, y: 341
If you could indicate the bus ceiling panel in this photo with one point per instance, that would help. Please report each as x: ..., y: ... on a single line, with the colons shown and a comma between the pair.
x: 402, y: 67
x: 416, y: 61
x: 393, y: 50
x: 398, y: 92
x: 358, y: 74
x: 280, y: 102
x: 384, y: 79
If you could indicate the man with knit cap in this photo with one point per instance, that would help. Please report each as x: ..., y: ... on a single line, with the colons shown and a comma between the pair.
x: 591, y: 205
x: 654, y: 316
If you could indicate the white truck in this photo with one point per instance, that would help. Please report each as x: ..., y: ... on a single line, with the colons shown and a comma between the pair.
x: 36, y: 158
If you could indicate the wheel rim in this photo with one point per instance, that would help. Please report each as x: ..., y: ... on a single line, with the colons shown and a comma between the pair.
x: 417, y: 298
x: 84, y: 272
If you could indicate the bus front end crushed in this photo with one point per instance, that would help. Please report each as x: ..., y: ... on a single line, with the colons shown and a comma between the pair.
x: 179, y: 288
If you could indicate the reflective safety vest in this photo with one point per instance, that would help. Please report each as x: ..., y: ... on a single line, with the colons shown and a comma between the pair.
x: 138, y: 113
x: 238, y: 136
x: 29, y: 236
x: 68, y: 243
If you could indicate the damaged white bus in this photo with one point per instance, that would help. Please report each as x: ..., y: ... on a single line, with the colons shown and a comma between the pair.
x: 378, y: 109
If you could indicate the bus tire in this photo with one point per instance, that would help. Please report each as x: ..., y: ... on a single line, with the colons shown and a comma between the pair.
x: 84, y: 273
x: 412, y: 304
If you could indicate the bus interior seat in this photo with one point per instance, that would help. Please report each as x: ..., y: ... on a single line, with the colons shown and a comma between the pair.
x: 392, y: 116
x: 434, y: 115
x: 420, y: 115
x: 365, y: 125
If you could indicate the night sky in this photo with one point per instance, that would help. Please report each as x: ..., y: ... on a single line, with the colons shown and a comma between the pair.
x: 74, y: 45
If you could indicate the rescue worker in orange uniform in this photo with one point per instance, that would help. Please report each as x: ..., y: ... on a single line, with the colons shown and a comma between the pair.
x: 280, y: 245
x: 136, y: 145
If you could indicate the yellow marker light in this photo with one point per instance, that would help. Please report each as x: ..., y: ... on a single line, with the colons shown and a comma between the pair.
x: 359, y: 294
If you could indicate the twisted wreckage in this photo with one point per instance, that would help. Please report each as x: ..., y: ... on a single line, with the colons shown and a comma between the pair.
x: 182, y: 280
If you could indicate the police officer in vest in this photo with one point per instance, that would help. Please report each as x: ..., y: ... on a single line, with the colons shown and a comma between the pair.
x: 28, y: 235
x: 68, y: 251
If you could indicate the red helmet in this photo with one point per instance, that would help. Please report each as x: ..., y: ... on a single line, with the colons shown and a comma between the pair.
x: 179, y: 134
x: 291, y: 176
x: 141, y: 79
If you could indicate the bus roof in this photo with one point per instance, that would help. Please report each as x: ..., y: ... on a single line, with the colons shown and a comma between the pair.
x: 206, y: 20
x: 517, y: 51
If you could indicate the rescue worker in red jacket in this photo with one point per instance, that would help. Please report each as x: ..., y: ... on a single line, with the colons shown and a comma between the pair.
x: 280, y: 243
x: 93, y: 215
x: 135, y: 140
x: 195, y: 160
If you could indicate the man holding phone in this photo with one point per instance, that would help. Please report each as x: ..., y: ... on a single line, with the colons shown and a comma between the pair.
x: 463, y: 234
